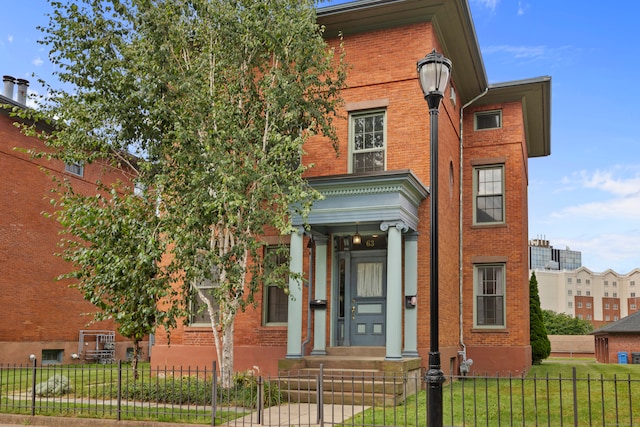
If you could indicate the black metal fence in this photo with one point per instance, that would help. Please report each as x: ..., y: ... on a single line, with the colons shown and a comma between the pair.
x: 314, y: 398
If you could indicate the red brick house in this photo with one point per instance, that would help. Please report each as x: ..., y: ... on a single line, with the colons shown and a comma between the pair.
x: 619, y: 341
x: 39, y: 315
x: 366, y: 255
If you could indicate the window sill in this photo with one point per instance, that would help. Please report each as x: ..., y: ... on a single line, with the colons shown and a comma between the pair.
x: 490, y: 225
x: 481, y: 330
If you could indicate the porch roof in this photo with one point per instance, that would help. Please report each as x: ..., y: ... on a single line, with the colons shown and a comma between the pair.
x: 372, y: 198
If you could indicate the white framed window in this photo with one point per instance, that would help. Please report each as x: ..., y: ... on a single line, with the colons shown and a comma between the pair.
x: 367, y: 141
x: 632, y: 306
x: 606, y: 294
x: 615, y: 295
x: 579, y: 305
x: 200, y: 315
x: 570, y: 304
x: 569, y: 292
x: 606, y: 306
x: 489, y: 302
x: 488, y: 197
x: 74, y: 168
x: 615, y: 306
x: 588, y: 293
x: 615, y: 318
x: 588, y: 317
x: 488, y: 120
x: 580, y: 316
x: 588, y: 305
x: 579, y: 292
x: 607, y: 317
x: 569, y: 280
x: 275, y: 300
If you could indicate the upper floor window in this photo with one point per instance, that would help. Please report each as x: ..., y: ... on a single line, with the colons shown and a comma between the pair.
x: 615, y: 295
x: 569, y: 279
x: 606, y: 294
x: 74, y: 168
x: 633, y: 283
x: 588, y: 293
x: 490, y: 295
x: 569, y: 292
x: 367, y: 135
x: 588, y: 281
x: 614, y: 284
x: 489, y: 194
x: 606, y: 306
x: 606, y: 283
x: 579, y: 305
x: 488, y: 120
x: 578, y: 281
x: 579, y: 292
x: 588, y: 305
x: 276, y: 300
x: 570, y: 304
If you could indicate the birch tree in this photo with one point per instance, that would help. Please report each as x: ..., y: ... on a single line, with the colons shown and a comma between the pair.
x: 216, y: 98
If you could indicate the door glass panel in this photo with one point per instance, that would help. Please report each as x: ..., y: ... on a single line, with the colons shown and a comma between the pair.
x: 369, y: 279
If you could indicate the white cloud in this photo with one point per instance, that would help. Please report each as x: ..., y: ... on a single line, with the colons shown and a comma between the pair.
x: 617, y: 251
x: 521, y: 8
x: 621, y: 198
x: 490, y: 4
x: 37, y: 61
x: 10, y: 38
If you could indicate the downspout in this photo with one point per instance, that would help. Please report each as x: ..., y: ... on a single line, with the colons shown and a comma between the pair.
x: 466, y: 363
x: 312, y: 247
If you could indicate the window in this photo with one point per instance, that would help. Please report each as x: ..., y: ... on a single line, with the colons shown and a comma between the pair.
x: 490, y: 295
x: 615, y: 306
x: 202, y: 293
x: 615, y: 295
x: 588, y: 293
x: 588, y: 317
x: 569, y: 292
x: 489, y: 191
x: 578, y: 281
x: 607, y: 318
x: 588, y: 305
x: 579, y: 305
x: 632, y: 306
x: 606, y: 294
x: 580, y: 316
x: 606, y: 306
x: 588, y: 281
x: 368, y: 135
x: 52, y: 357
x: 606, y: 283
x: 633, y: 294
x: 614, y: 284
x: 276, y: 265
x: 488, y: 120
x: 579, y: 292
x: 633, y: 283
x: 615, y: 318
x: 569, y: 280
x: 74, y: 168
x: 570, y: 304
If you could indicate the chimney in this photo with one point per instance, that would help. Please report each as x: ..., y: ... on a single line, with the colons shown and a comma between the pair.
x: 8, y: 86
x: 22, y: 91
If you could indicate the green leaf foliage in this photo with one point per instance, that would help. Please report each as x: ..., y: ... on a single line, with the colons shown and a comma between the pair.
x: 540, y: 344
x: 209, y: 103
x: 564, y: 324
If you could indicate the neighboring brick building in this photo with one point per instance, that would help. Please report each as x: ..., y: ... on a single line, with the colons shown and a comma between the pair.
x: 619, y: 341
x: 39, y: 315
x: 366, y: 255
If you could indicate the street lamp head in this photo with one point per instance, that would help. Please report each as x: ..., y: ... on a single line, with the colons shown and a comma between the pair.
x: 434, y: 71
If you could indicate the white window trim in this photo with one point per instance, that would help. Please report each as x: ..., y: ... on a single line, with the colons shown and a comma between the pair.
x: 486, y: 113
x: 475, y: 296
x: 352, y: 116
x: 475, y: 195
x: 76, y: 168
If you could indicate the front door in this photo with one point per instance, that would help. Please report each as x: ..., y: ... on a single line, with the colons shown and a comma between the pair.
x: 368, y: 287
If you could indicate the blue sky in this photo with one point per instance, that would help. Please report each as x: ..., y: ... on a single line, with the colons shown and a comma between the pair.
x: 586, y: 195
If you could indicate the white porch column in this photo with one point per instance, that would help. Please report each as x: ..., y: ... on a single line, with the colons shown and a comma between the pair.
x: 410, y: 290
x: 395, y: 301
x: 294, y: 320
x: 320, y: 294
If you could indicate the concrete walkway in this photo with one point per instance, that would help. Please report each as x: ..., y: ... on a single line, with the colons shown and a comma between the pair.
x: 277, y: 416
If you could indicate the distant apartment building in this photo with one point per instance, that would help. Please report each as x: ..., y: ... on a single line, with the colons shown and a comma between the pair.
x: 600, y: 298
x: 543, y: 256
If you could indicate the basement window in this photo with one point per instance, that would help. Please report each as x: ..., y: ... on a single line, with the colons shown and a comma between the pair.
x: 52, y: 357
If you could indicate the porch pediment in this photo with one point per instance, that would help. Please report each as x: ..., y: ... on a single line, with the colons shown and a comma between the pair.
x: 385, y: 196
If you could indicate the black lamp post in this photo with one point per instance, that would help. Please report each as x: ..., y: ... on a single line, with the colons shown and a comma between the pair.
x: 433, y: 71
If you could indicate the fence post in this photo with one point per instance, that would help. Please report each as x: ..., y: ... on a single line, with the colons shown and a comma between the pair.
x: 214, y: 393
x: 575, y: 397
x: 119, y: 396
x: 33, y: 387
x: 259, y: 405
x: 320, y: 399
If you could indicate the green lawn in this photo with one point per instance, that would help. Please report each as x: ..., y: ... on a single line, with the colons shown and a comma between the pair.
x: 544, y: 397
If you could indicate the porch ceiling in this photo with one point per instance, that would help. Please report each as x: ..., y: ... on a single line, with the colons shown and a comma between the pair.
x: 349, y: 199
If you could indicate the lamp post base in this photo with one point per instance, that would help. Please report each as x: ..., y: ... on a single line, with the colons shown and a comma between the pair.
x: 434, y: 379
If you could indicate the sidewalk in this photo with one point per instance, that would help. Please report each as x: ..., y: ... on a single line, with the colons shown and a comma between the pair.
x: 277, y: 416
